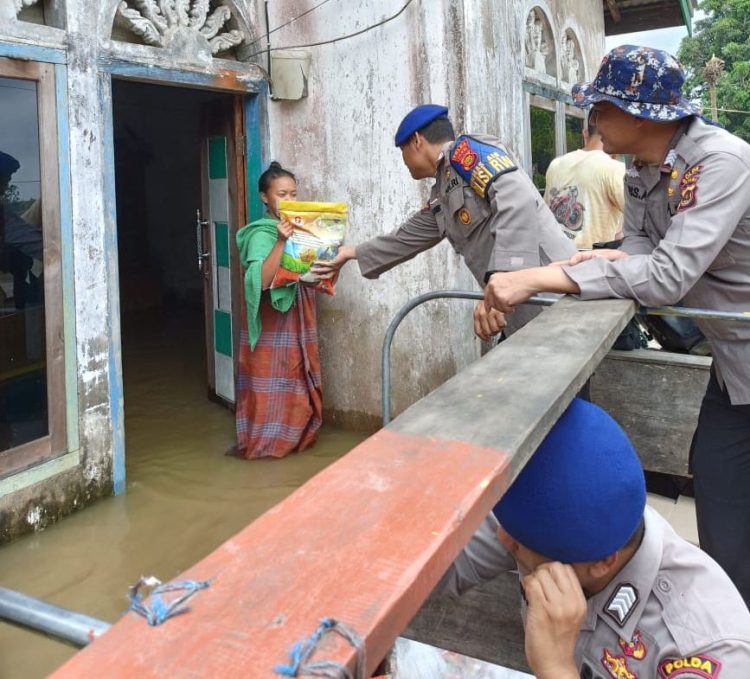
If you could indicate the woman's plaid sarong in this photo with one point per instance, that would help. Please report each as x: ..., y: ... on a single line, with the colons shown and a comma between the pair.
x: 279, y: 394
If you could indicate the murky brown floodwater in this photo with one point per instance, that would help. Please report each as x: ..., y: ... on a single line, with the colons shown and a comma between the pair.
x: 184, y: 497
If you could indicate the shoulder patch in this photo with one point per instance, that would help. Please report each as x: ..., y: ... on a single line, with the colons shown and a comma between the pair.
x: 622, y: 603
x: 689, y: 188
x: 479, y: 164
x: 694, y: 665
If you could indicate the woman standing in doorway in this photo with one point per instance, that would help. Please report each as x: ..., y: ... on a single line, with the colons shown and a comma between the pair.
x: 279, y: 397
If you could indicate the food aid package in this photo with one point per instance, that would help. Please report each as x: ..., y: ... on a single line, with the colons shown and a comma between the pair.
x: 318, y: 231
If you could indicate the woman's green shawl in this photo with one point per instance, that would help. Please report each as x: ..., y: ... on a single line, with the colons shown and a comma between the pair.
x: 255, y: 242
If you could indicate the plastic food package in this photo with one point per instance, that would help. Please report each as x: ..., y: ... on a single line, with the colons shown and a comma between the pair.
x: 318, y: 231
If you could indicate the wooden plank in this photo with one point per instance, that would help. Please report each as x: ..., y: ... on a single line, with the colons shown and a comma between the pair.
x: 656, y: 397
x: 211, y: 78
x: 510, y: 398
x: 361, y: 543
x: 53, y: 298
x: 67, y: 275
x: 30, y: 53
x: 367, y: 540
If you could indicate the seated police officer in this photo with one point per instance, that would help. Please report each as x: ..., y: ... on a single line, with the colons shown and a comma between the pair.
x: 610, y: 589
x: 487, y: 208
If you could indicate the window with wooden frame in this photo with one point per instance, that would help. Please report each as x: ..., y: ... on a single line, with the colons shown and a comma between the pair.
x: 32, y: 366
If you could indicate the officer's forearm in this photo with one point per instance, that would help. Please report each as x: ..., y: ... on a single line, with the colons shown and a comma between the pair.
x: 547, y: 279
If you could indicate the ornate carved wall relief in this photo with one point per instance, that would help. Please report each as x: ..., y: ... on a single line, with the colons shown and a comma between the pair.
x: 192, y: 29
x: 539, y: 44
x: 571, y: 59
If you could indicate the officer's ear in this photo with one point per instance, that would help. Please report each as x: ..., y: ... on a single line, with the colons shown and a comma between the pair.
x: 604, y: 567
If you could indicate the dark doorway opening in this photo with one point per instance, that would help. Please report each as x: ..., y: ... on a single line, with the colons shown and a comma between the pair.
x: 160, y: 143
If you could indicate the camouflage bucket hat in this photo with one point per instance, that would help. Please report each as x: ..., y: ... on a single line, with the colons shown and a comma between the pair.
x: 643, y: 82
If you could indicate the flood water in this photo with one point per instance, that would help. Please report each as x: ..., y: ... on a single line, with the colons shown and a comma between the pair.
x: 184, y: 496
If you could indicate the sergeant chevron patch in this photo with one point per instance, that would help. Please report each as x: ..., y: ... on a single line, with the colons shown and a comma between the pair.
x: 622, y: 603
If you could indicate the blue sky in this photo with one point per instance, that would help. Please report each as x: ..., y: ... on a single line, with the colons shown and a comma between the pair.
x: 662, y: 38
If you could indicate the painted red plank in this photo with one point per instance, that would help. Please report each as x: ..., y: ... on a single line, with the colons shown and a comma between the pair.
x: 355, y: 543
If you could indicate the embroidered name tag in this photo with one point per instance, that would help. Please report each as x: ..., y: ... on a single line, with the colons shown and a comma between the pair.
x: 480, y: 164
x: 695, y: 665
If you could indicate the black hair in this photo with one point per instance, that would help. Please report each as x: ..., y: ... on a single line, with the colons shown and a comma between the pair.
x: 589, y: 125
x: 636, y: 538
x: 440, y: 129
x: 274, y: 171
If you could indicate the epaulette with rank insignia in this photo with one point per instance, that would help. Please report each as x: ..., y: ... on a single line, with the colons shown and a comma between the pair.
x: 479, y: 164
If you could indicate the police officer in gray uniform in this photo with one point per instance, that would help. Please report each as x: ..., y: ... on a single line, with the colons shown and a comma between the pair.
x: 488, y: 209
x: 610, y: 590
x: 687, y: 237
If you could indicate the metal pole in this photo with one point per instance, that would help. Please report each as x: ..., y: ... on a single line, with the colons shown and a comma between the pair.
x: 403, y: 312
x: 59, y: 623
x: 467, y: 294
x: 743, y: 317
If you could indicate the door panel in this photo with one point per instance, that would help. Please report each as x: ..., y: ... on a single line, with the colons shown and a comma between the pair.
x: 223, y: 210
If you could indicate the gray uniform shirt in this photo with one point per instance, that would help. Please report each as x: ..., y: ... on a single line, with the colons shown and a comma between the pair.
x: 670, y: 612
x: 501, y: 227
x: 687, y: 231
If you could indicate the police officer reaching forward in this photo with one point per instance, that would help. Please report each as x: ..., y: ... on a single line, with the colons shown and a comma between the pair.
x: 687, y: 237
x: 486, y: 207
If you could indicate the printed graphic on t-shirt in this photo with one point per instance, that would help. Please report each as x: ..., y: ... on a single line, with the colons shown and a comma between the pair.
x: 568, y: 210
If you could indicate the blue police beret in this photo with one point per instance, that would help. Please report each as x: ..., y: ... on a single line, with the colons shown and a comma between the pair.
x: 582, y: 494
x: 8, y: 164
x: 416, y: 119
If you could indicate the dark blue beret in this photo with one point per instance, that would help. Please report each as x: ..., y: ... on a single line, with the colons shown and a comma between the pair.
x: 8, y: 164
x: 582, y: 494
x: 416, y: 119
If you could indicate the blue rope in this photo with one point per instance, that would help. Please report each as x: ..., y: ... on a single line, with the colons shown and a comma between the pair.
x: 160, y: 609
x: 302, y: 650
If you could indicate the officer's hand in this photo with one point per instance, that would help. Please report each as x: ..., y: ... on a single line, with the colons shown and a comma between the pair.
x: 327, y: 269
x: 284, y: 229
x: 504, y: 290
x: 557, y: 607
x: 487, y: 324
x: 584, y: 256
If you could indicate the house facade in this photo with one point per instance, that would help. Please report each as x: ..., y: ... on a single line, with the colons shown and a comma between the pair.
x: 134, y: 134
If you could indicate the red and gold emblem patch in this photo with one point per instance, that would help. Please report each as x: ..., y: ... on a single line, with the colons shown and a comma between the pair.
x: 617, y: 666
x: 694, y: 665
x: 635, y: 648
x: 464, y: 216
x: 465, y: 155
x: 689, y: 188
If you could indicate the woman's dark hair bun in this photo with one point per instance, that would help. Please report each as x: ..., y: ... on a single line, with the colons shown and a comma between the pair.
x: 274, y: 171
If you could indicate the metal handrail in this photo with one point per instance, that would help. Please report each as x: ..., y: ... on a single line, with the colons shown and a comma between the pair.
x: 39, y: 616
x: 403, y: 312
x: 546, y: 301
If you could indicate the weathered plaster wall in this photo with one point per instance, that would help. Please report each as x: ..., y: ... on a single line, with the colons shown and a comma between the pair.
x: 466, y: 54
x: 340, y: 142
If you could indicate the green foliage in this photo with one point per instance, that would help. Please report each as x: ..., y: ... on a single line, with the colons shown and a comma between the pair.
x: 724, y: 32
x: 542, y: 143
